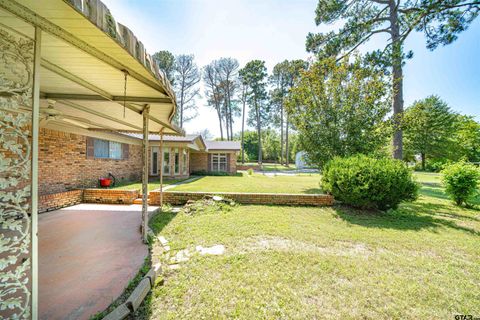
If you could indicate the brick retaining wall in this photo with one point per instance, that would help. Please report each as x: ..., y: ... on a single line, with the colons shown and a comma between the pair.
x: 110, y: 196
x: 181, y: 197
x: 53, y: 201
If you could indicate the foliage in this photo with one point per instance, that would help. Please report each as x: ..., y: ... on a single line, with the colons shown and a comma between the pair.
x: 166, y: 62
x: 429, y: 125
x: 250, y: 171
x: 369, y: 183
x: 404, y: 257
x: 339, y: 110
x: 209, y: 173
x: 467, y: 138
x: 461, y: 181
x: 360, y: 20
x: 187, y: 77
x: 221, y: 85
x: 283, y: 79
x: 254, y: 76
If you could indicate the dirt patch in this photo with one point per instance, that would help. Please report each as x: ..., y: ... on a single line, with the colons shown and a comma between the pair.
x: 341, y: 248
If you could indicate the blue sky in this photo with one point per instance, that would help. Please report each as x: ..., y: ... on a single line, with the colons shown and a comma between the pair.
x: 274, y: 30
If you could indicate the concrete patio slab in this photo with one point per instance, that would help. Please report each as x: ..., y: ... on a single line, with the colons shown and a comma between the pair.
x: 87, y: 255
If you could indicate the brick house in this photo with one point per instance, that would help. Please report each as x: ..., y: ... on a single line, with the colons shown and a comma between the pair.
x: 190, y: 154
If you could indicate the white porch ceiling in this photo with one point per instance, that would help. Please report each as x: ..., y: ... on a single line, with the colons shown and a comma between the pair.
x: 82, y: 69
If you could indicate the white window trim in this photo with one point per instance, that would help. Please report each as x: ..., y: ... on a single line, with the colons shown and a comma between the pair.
x: 175, y: 172
x: 166, y: 150
x: 220, y: 157
x: 153, y: 150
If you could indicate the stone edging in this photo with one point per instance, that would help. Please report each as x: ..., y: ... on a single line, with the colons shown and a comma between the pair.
x: 181, y: 197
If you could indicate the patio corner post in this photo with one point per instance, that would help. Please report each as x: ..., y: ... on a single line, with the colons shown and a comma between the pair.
x: 145, y: 115
x: 161, y: 169
x: 34, y: 168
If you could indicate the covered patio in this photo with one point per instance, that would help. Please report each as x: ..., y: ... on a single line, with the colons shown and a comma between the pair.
x: 67, y: 65
x: 87, y: 255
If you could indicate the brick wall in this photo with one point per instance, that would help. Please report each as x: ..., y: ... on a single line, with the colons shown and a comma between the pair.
x: 111, y: 196
x: 63, y: 164
x: 179, y: 198
x: 59, y: 200
x: 199, y: 162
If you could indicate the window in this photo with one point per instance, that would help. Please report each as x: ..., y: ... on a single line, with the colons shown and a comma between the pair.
x: 185, y: 162
x: 177, y: 162
x: 166, y: 161
x: 154, y: 170
x: 219, y: 162
x: 104, y: 149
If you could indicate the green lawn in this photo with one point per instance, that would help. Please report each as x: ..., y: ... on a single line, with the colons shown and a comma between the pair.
x: 242, y: 182
x: 271, y: 166
x: 418, y: 262
x: 152, y: 184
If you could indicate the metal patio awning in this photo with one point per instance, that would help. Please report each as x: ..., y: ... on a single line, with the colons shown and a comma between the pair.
x: 94, y: 72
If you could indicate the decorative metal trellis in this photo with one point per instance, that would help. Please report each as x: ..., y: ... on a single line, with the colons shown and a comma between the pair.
x: 16, y: 85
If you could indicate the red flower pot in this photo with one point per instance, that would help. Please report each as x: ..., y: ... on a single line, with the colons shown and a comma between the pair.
x: 105, y: 182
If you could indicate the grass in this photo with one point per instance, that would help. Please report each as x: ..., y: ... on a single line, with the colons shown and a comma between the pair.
x: 152, y: 185
x: 420, y: 261
x: 242, y: 182
x: 271, y: 166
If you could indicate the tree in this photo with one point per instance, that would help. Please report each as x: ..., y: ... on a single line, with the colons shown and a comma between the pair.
x: 339, y: 109
x: 277, y: 96
x: 467, y: 138
x: 227, y: 69
x: 429, y: 128
x: 440, y: 20
x: 213, y: 92
x: 254, y: 75
x: 205, y: 133
x: 166, y: 62
x: 243, y: 99
x: 187, y: 77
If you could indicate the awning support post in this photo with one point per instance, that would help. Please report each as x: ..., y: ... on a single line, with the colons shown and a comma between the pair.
x: 161, y: 168
x: 34, y: 168
x: 145, y: 174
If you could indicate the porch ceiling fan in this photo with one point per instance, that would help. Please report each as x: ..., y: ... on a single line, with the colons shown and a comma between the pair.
x: 49, y: 113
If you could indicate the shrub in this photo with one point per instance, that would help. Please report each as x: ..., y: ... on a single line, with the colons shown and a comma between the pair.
x: 210, y: 173
x: 461, y: 181
x: 369, y: 183
x: 250, y: 171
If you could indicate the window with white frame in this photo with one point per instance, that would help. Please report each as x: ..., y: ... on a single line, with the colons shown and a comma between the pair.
x: 185, y: 161
x: 166, y: 161
x: 219, y: 162
x: 104, y: 149
x: 176, y: 165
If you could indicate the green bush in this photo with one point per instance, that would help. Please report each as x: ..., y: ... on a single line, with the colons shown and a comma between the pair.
x: 210, y: 173
x: 369, y: 183
x: 250, y: 171
x: 461, y: 181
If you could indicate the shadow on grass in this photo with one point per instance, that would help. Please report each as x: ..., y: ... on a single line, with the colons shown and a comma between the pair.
x: 414, y: 216
x: 313, y: 191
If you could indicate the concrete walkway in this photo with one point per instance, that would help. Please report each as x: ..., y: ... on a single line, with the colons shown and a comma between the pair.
x: 87, y: 255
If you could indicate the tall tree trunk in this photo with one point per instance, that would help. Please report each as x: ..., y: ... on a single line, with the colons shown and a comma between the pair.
x: 243, y: 130
x: 181, y: 111
x: 287, y: 151
x: 397, y: 81
x: 220, y: 121
x: 259, y: 133
x: 423, y: 161
x: 281, y: 135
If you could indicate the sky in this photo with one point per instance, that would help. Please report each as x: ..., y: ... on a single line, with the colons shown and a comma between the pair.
x: 275, y: 30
